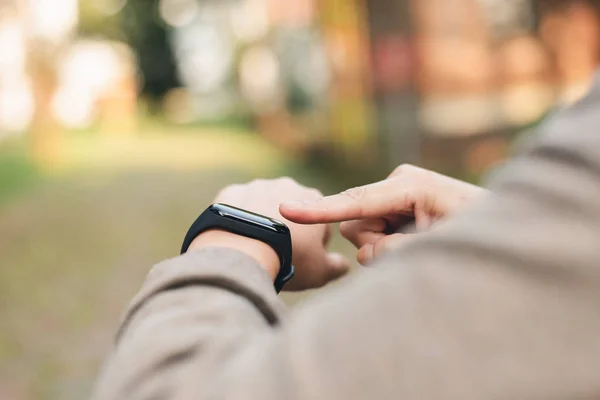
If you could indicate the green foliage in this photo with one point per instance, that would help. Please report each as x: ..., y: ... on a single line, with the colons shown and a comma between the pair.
x: 139, y: 25
x: 16, y: 171
x: 148, y: 37
x: 297, y: 100
x: 93, y: 22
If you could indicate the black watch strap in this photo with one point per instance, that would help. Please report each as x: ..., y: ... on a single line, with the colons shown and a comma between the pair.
x: 244, y: 223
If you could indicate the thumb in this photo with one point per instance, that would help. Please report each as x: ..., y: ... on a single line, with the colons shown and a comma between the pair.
x: 337, y: 266
x: 370, y: 201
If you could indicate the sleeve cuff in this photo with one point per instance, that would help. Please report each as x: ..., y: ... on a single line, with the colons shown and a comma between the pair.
x: 224, y: 268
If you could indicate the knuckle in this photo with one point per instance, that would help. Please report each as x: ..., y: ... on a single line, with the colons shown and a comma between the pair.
x: 287, y: 180
x: 399, y: 170
x: 404, y: 169
x: 406, y: 202
x: 355, y: 193
x: 229, y: 189
x: 316, y: 194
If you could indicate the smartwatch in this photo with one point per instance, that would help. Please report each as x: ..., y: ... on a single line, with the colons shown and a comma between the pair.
x: 245, y: 223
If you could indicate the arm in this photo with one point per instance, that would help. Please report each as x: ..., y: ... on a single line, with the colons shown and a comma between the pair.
x: 499, y: 302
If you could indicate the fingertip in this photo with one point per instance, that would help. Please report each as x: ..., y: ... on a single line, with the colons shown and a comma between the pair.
x: 365, y: 254
x: 289, y: 207
x: 292, y: 210
x: 303, y: 212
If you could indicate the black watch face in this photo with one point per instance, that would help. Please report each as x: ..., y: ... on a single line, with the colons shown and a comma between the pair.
x: 250, y: 218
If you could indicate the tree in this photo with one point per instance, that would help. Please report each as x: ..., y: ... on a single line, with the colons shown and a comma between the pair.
x: 139, y: 25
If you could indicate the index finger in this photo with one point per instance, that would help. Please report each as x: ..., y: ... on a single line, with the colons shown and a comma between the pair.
x: 370, y: 201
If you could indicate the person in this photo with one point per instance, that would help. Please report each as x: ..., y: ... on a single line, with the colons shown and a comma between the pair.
x: 496, y: 296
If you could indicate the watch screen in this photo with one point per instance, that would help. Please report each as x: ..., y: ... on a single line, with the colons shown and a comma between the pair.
x: 235, y: 213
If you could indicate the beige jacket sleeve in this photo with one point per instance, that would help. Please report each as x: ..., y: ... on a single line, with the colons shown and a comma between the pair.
x: 501, y: 302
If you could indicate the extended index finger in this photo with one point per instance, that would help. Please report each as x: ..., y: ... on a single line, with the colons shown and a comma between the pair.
x: 370, y: 201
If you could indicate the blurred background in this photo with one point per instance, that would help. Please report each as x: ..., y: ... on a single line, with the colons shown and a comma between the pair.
x: 121, y: 119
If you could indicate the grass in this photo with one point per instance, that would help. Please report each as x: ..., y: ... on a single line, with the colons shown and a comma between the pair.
x: 76, y: 245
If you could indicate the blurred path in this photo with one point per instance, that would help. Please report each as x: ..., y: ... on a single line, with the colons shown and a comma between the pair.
x: 176, y: 149
x: 74, y: 249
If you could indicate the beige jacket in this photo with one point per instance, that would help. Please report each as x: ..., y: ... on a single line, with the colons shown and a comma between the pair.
x: 500, y: 302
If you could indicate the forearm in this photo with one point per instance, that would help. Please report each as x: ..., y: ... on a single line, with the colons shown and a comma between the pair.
x: 189, y: 315
x: 499, y: 302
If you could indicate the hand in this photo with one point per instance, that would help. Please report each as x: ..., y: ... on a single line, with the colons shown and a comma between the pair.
x: 314, y: 265
x: 374, y: 214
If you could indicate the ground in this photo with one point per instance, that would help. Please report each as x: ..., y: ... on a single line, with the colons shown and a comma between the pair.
x: 76, y: 242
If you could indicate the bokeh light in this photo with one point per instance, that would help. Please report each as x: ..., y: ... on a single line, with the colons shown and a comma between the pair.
x: 109, y: 7
x: 51, y: 21
x: 178, y: 13
x: 259, y: 77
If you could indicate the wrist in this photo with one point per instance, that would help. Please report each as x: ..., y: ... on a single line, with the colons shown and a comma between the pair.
x: 261, y: 252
